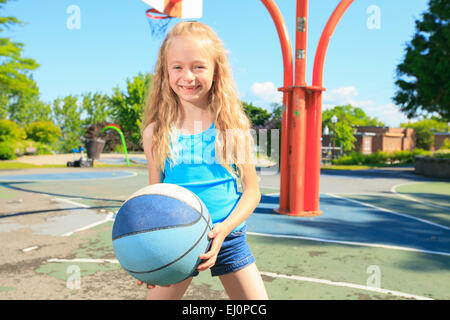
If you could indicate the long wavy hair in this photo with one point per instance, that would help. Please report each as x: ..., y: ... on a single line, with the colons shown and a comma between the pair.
x: 233, y: 141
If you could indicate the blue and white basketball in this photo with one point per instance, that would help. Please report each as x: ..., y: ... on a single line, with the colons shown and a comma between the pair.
x: 160, y: 232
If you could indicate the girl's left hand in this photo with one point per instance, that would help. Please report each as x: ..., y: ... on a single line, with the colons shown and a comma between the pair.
x: 218, y: 234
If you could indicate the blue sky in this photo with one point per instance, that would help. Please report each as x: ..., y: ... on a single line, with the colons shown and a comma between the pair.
x: 113, y: 43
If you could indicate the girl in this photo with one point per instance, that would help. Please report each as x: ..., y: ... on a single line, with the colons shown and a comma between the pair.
x: 192, y: 90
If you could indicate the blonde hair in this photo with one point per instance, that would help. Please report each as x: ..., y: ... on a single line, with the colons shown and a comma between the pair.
x: 163, y: 109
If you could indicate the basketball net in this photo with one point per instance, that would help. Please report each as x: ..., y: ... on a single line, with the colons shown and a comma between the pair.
x: 158, y: 23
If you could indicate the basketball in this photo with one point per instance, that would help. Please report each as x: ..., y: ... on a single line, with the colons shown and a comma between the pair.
x: 159, y: 233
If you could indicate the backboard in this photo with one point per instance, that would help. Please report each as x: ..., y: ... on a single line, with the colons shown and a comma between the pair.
x: 184, y: 9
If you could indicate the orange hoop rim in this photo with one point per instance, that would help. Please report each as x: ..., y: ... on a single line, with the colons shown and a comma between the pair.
x: 149, y: 14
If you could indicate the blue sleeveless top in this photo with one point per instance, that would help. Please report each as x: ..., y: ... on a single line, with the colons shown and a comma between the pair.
x: 196, y: 168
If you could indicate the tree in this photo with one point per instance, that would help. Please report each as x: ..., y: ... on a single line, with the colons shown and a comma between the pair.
x: 67, y: 116
x: 14, y: 69
x: 423, y: 78
x: 257, y: 115
x: 43, y: 131
x: 27, y: 108
x: 96, y: 107
x: 424, y: 131
x: 127, y: 107
x: 348, y: 117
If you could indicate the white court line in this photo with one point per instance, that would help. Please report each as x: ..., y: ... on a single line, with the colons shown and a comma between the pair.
x: 70, y: 202
x: 108, y: 218
x: 276, y: 275
x: 82, y: 260
x: 345, y: 284
x: 414, y: 199
x: 390, y: 211
x: 30, y: 248
x: 362, y: 244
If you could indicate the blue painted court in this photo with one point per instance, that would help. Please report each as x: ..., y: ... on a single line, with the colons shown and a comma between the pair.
x: 345, y: 221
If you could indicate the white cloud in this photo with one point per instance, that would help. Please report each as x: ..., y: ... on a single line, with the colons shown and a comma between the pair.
x: 389, y: 114
x: 266, y: 92
x: 345, y: 93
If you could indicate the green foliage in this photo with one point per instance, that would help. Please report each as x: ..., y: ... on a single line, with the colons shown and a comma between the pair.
x: 424, y: 130
x: 423, y: 77
x: 380, y: 158
x: 258, y: 116
x: 127, y: 106
x: 7, y: 151
x: 14, y: 69
x: 27, y: 108
x: 43, y: 131
x: 442, y: 155
x: 10, y: 131
x: 445, y: 145
x: 67, y: 115
x: 96, y: 106
x: 348, y: 117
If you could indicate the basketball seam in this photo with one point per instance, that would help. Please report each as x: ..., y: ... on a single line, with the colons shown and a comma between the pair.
x: 180, y: 257
x: 156, y: 229
x: 165, y: 195
x: 166, y: 227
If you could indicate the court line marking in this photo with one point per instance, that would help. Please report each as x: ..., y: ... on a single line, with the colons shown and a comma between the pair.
x: 407, y: 197
x: 3, y: 180
x: 275, y: 275
x: 68, y: 201
x: 344, y: 284
x: 30, y: 248
x: 362, y: 244
x: 108, y: 218
x: 84, y: 260
x: 390, y: 211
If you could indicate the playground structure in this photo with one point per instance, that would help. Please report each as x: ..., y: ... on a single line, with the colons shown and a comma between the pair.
x: 302, y: 117
x: 117, y: 128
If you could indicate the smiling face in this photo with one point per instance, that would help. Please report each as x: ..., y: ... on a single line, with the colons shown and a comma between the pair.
x: 190, y: 69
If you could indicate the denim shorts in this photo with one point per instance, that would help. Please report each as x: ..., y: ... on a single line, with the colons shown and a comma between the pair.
x: 233, y: 255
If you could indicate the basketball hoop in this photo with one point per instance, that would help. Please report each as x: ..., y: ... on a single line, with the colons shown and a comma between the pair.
x: 158, y: 22
x: 162, y: 11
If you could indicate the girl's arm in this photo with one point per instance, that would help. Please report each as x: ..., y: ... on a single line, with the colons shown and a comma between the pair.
x: 247, y: 203
x: 154, y: 174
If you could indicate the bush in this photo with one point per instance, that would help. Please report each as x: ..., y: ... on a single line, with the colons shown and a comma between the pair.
x: 7, y: 150
x: 445, y: 145
x: 43, y: 148
x: 9, y: 130
x: 43, y: 131
x: 380, y: 158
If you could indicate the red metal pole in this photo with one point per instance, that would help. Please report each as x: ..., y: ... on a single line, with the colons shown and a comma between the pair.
x: 314, y: 114
x: 287, y: 83
x: 325, y: 40
x: 302, y: 117
x: 297, y: 135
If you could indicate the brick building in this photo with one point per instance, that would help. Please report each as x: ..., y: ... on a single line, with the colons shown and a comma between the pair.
x: 439, y: 138
x: 372, y: 139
